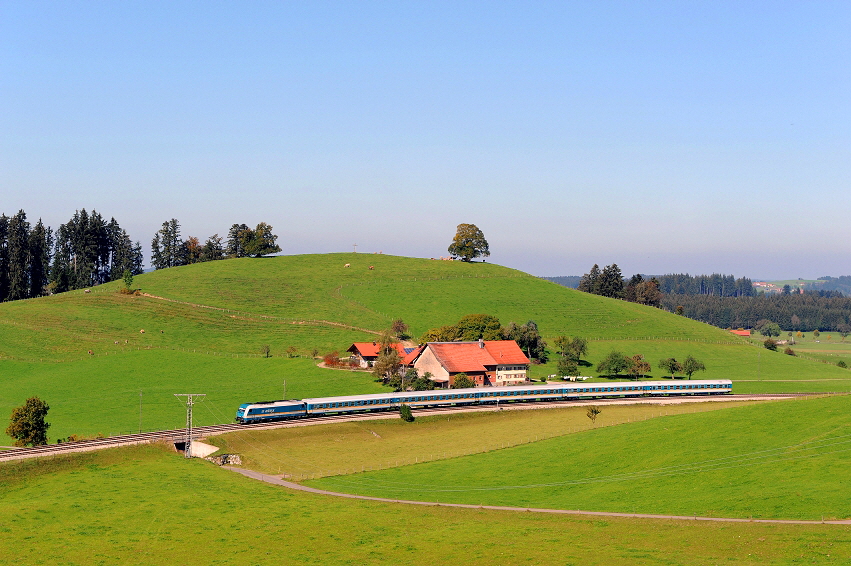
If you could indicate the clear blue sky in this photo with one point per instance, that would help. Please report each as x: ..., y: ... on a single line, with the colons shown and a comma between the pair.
x: 663, y: 136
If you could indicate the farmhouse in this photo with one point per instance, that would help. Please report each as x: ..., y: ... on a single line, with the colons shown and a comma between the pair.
x: 365, y: 353
x: 486, y: 362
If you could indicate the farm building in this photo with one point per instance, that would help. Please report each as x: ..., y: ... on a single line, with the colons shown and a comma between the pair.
x: 486, y: 362
x: 365, y: 353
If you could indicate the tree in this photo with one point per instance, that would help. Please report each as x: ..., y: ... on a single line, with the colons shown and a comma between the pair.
x: 469, y: 243
x: 423, y: 383
x: 389, y: 361
x: 167, y: 249
x: 128, y: 279
x: 259, y: 242
x: 192, y: 250
x: 691, y: 365
x: 4, y: 258
x: 405, y: 413
x: 590, y: 282
x: 611, y: 282
x: 399, y: 328
x: 670, y: 365
x: 27, y: 425
x: 767, y: 328
x: 234, y: 245
x: 567, y: 366
x: 592, y: 413
x: 529, y: 340
x: 19, y: 256
x: 264, y: 350
x: 648, y: 293
x: 613, y: 364
x: 212, y: 249
x: 462, y: 381
x: 638, y: 367
x: 629, y: 292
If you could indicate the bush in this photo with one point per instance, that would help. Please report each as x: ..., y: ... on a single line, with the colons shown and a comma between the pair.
x: 770, y: 344
x: 789, y: 351
x: 842, y: 364
x: 405, y: 413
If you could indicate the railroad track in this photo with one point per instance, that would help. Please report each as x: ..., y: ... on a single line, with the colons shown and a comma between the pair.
x: 179, y: 435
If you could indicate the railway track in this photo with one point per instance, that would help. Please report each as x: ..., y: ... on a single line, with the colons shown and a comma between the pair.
x: 179, y: 435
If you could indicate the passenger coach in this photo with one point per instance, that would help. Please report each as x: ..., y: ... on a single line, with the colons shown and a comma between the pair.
x: 279, y: 410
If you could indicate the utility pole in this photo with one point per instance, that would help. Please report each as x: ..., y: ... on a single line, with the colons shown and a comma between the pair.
x: 355, y: 246
x: 285, y: 390
x: 190, y: 400
x: 140, y: 411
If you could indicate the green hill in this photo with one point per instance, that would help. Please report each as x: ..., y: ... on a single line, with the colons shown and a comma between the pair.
x: 204, y: 326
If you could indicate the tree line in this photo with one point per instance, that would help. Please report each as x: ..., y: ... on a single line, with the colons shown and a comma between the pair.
x: 609, y: 282
x: 85, y: 251
x: 169, y: 249
x: 804, y: 312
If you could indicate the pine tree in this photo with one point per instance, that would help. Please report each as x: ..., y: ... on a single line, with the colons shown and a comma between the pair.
x: 235, y: 241
x: 4, y: 257
x: 40, y: 243
x: 19, y: 256
x: 611, y: 282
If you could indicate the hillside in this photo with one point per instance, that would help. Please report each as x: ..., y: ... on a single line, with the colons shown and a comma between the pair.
x: 204, y: 325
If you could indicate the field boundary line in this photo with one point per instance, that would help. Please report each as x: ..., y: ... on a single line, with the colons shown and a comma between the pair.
x: 291, y: 485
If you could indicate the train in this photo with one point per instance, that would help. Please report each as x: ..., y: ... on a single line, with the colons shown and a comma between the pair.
x: 263, y: 411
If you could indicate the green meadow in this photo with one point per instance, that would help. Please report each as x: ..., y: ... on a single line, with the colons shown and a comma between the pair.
x: 148, y: 505
x: 343, y: 448
x: 783, y: 459
x: 205, y: 324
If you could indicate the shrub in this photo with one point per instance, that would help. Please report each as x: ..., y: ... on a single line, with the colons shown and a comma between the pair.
x: 331, y: 359
x: 405, y: 413
x: 770, y: 344
x: 842, y: 364
x: 789, y: 351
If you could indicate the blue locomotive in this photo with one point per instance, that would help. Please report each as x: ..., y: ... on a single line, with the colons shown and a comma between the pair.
x: 291, y: 409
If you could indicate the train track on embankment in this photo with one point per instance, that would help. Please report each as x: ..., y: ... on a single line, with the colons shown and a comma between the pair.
x: 179, y: 435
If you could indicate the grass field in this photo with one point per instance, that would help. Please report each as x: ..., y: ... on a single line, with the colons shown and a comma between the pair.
x: 205, y: 325
x: 144, y: 505
x: 776, y: 460
x: 344, y: 447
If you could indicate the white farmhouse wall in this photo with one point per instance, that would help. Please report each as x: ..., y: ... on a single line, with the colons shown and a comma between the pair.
x: 428, y: 362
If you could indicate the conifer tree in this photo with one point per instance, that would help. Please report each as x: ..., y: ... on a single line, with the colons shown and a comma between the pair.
x: 19, y: 256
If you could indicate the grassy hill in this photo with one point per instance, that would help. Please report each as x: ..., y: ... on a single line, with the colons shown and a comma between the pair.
x: 204, y: 325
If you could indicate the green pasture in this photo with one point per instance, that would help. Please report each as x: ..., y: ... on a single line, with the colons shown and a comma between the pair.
x: 205, y: 324
x: 343, y: 448
x: 144, y: 505
x: 101, y: 395
x: 828, y: 347
x: 784, y: 459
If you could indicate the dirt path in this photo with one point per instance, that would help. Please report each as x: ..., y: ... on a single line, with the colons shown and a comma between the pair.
x: 290, y: 485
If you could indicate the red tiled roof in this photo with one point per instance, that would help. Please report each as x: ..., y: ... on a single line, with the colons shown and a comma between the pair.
x: 458, y: 357
x: 741, y: 332
x: 370, y: 349
x: 409, y: 358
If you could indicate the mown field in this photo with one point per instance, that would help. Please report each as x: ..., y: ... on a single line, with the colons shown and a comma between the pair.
x: 343, y: 448
x: 784, y: 459
x: 145, y: 505
x: 205, y: 324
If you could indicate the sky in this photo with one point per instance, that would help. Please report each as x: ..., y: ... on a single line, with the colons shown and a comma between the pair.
x: 662, y: 136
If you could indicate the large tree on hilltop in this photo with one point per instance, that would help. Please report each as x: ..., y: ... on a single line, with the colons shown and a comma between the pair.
x: 469, y: 243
